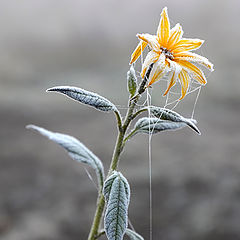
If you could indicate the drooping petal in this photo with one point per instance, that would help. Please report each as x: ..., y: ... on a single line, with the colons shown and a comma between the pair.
x: 137, y: 52
x: 163, y: 31
x: 151, y: 57
x: 184, y: 81
x: 151, y: 40
x: 159, y: 69
x: 193, y: 57
x: 187, y: 44
x: 175, y: 69
x: 193, y: 70
x: 175, y: 35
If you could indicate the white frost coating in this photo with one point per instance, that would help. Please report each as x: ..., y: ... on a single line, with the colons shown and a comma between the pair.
x: 117, y: 195
x: 133, y: 235
x: 132, y: 81
x: 75, y: 149
x: 85, y: 97
x: 166, y: 114
x: 155, y: 125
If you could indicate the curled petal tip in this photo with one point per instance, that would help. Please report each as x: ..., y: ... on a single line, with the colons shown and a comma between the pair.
x: 183, y: 95
x: 211, y: 67
x: 204, y: 82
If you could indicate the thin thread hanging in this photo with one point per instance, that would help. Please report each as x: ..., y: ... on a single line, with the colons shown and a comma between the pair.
x: 150, y: 171
x: 195, y: 103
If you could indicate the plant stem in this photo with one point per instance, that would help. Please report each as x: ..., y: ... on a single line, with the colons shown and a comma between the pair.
x: 97, y: 218
x: 102, y: 232
x: 120, y: 143
x: 114, y: 164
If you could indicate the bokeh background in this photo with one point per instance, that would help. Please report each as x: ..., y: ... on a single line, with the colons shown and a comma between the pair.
x: 86, y: 43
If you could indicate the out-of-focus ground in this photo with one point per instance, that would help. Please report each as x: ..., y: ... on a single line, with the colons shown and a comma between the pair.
x: 196, y: 180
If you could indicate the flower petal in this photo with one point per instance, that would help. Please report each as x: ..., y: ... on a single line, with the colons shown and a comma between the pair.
x: 175, y: 35
x: 163, y: 31
x: 195, y: 71
x: 176, y: 69
x: 184, y: 81
x: 151, y: 57
x: 159, y: 69
x: 151, y: 40
x: 193, y: 57
x: 137, y: 52
x: 187, y: 44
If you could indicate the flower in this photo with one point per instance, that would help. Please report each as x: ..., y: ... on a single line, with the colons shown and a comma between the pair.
x: 170, y: 53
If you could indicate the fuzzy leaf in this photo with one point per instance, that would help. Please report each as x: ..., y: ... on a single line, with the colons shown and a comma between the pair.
x: 132, y: 81
x: 86, y: 97
x: 75, y: 149
x: 170, y: 115
x: 117, y: 195
x: 133, y: 235
x: 155, y: 125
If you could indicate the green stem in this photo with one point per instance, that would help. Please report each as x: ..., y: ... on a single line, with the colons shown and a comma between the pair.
x: 97, y: 218
x: 120, y: 143
x: 129, y: 136
x: 94, y: 232
x: 138, y: 112
x: 119, y: 119
x: 102, y: 232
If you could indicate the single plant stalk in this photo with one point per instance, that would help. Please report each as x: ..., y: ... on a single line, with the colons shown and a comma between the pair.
x: 120, y: 143
x: 97, y: 218
x: 94, y: 232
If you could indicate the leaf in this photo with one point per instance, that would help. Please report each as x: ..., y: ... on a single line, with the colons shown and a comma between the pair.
x: 86, y: 97
x: 132, y: 81
x: 133, y: 235
x: 75, y: 149
x: 170, y: 115
x: 155, y: 125
x: 116, y: 191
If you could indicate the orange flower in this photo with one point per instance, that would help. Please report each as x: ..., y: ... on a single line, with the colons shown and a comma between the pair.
x: 170, y: 53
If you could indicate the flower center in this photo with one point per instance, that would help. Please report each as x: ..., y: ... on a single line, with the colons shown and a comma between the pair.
x: 167, y: 53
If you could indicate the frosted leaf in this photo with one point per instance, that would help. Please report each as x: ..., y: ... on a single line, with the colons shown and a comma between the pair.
x: 155, y: 125
x: 75, y: 149
x: 86, y: 97
x: 133, y: 235
x: 170, y: 115
x: 117, y: 195
x: 132, y: 81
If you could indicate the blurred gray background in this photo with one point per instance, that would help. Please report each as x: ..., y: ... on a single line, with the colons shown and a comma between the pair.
x: 86, y: 43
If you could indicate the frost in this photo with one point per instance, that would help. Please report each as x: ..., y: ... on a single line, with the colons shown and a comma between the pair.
x: 155, y: 125
x: 132, y: 81
x: 117, y: 195
x: 133, y: 235
x: 75, y: 149
x: 166, y: 114
x: 85, y: 97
